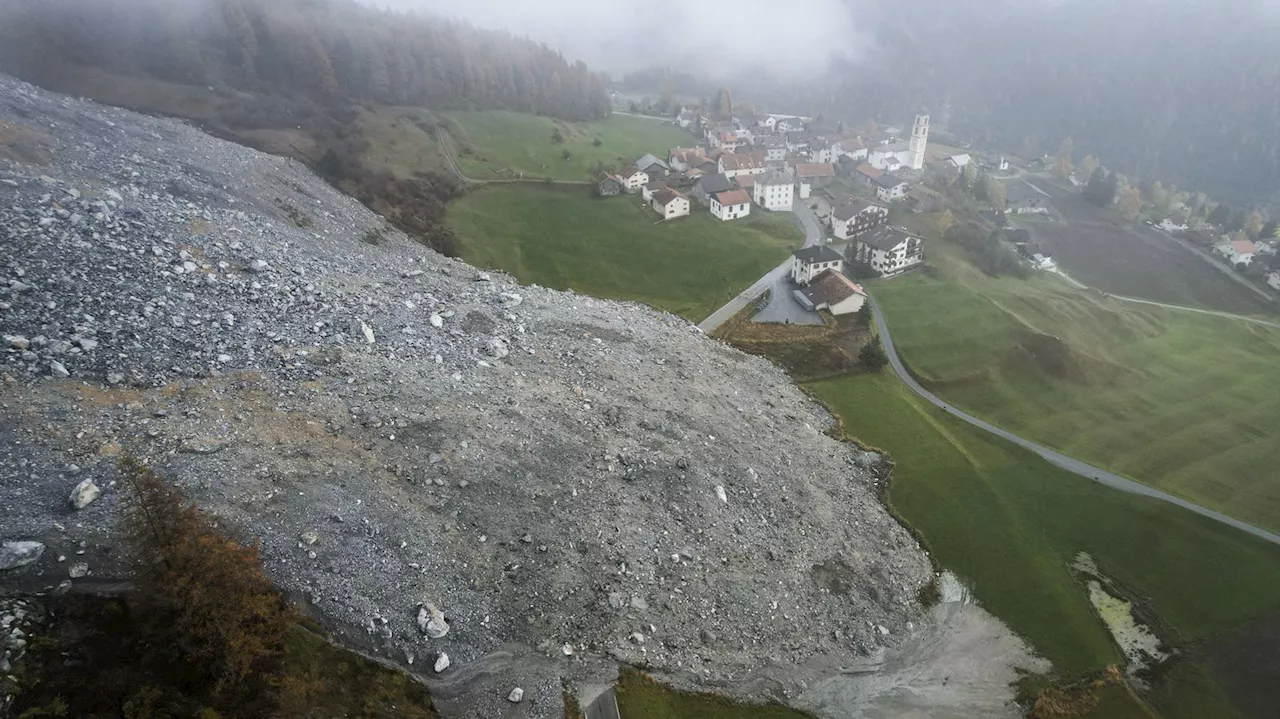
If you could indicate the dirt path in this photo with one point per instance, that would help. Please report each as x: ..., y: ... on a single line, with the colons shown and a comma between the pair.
x: 457, y: 169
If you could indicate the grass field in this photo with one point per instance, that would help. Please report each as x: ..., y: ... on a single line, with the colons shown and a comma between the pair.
x: 561, y: 237
x: 1009, y: 524
x: 1102, y: 249
x: 495, y: 145
x: 1186, y: 402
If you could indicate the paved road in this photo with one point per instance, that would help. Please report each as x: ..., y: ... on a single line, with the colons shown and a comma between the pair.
x: 777, y: 281
x: 1057, y: 459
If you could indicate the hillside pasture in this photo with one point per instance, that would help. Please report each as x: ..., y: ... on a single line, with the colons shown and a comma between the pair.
x: 507, y: 145
x: 617, y: 248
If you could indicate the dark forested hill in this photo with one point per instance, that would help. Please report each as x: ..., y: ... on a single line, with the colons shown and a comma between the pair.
x: 326, y: 50
x: 297, y: 68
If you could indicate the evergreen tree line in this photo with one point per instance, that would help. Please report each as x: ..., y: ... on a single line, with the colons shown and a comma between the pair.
x: 327, y: 50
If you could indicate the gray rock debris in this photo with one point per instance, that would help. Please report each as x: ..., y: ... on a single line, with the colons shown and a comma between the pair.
x: 431, y: 621
x: 19, y: 554
x: 599, y: 428
x: 84, y: 494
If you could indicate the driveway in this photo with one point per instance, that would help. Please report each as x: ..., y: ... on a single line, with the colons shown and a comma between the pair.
x: 783, y: 308
x: 782, y: 305
x: 1057, y: 459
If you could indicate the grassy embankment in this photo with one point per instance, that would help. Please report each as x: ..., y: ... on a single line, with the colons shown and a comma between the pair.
x: 561, y: 237
x: 501, y: 145
x: 1181, y: 401
x: 639, y: 697
x: 1009, y: 524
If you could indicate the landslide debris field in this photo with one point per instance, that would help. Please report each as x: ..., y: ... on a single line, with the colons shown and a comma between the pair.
x: 570, y: 481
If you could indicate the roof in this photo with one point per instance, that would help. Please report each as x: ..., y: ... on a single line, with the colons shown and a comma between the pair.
x: 853, y: 207
x: 821, y: 169
x: 666, y: 196
x: 889, y: 180
x: 1244, y: 247
x: 886, y: 238
x: 628, y: 172
x: 777, y: 177
x: 821, y: 253
x: 733, y: 197
x: 649, y: 160
x: 745, y: 181
x: 656, y: 185
x: 868, y: 170
x: 831, y: 287
x: 712, y: 184
x: 960, y: 160
x: 745, y: 161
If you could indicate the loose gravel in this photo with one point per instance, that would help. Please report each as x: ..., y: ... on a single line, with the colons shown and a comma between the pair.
x: 564, y: 480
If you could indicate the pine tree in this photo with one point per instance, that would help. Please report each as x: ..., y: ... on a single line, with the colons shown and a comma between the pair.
x: 872, y: 355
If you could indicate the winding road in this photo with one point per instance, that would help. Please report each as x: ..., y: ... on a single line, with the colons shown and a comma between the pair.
x: 1055, y: 458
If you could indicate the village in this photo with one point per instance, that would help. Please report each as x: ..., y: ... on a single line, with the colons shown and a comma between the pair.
x: 845, y: 181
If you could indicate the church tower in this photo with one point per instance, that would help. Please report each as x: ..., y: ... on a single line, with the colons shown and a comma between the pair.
x: 919, y: 140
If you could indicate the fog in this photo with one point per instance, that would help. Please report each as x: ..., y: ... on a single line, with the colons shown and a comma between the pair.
x: 717, y: 39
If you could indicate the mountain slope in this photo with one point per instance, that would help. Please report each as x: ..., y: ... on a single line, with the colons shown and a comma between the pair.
x: 397, y: 429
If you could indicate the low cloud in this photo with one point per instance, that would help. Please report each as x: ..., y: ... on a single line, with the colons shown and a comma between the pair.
x: 784, y: 39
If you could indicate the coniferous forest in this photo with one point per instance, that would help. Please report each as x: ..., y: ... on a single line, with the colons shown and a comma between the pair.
x: 326, y: 50
x: 304, y: 66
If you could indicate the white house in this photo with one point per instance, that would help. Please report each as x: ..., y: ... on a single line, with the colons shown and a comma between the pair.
x: 731, y: 205
x: 687, y: 118
x: 821, y: 151
x: 857, y: 217
x: 810, y: 262
x: 1239, y: 251
x: 647, y: 191
x: 775, y: 191
x: 768, y: 122
x: 670, y: 204
x: 888, y: 250
x: 830, y: 290
x: 890, y: 187
x: 1273, y: 280
x: 1169, y: 225
x: 889, y: 158
x: 632, y: 179
x: 789, y: 124
x: 958, y: 162
x: 749, y: 163
x: 853, y: 148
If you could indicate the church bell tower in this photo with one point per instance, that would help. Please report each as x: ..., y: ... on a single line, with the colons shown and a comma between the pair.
x: 919, y: 140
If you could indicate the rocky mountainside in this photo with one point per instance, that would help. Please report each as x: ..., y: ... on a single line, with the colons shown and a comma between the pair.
x: 435, y: 460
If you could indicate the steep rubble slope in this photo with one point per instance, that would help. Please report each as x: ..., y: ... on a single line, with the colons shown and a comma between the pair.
x: 580, y: 477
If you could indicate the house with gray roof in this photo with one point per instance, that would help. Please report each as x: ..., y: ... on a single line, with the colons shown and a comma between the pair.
x: 809, y: 262
x: 887, y: 250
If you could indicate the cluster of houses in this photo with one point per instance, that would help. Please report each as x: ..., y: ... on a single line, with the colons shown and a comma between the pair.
x: 769, y: 162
